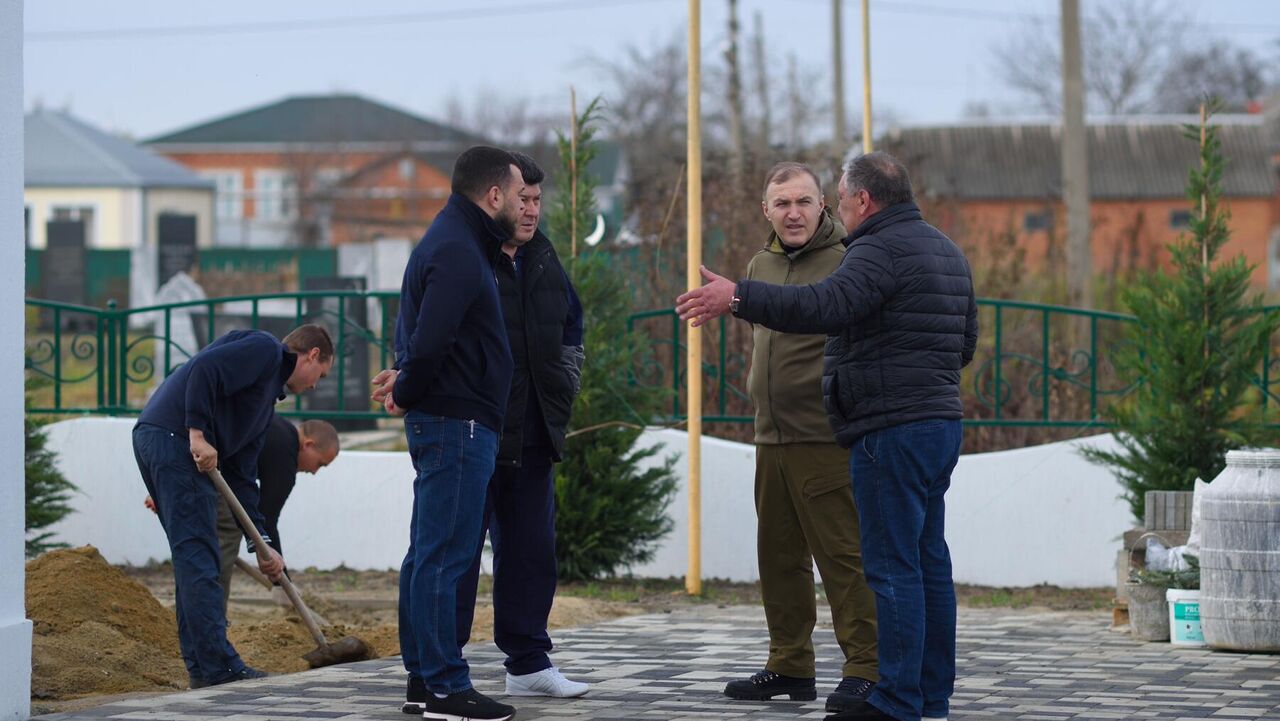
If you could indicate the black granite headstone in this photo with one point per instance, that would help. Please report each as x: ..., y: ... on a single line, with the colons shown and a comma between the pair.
x: 64, y: 269
x: 176, y: 245
x: 351, y: 340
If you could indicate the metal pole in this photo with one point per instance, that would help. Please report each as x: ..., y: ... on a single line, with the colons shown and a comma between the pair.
x: 1075, y: 161
x: 866, y: 76
x: 837, y: 65
x: 693, y: 578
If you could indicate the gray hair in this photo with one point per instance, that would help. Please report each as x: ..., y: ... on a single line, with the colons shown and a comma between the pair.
x: 883, y: 176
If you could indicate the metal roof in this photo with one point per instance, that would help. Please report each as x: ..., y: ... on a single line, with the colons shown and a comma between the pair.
x: 61, y: 151
x: 319, y: 119
x: 1143, y: 157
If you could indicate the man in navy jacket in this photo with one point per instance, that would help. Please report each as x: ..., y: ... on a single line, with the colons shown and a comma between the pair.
x: 213, y: 412
x: 544, y: 330
x: 451, y: 380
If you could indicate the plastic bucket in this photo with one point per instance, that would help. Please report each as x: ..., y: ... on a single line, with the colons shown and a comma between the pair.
x: 1184, y: 617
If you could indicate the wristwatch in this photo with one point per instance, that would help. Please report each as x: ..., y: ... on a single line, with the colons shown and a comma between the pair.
x: 733, y: 304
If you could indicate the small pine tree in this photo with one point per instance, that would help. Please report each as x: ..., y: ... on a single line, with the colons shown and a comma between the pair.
x: 47, y: 490
x: 1195, y: 350
x: 610, y: 512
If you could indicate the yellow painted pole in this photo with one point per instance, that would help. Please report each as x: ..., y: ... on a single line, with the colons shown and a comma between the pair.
x: 693, y: 578
x: 866, y: 76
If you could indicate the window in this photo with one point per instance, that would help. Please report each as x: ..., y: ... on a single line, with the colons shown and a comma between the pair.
x: 82, y: 213
x: 326, y: 178
x: 1179, y: 219
x: 228, y: 199
x: 1037, y: 221
x: 275, y: 192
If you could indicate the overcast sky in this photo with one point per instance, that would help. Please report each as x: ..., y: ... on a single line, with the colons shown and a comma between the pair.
x: 150, y: 66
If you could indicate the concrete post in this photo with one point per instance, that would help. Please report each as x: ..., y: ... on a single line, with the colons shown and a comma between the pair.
x: 15, y: 629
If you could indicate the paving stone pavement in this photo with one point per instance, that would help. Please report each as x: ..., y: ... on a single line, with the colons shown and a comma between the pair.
x: 1013, y: 664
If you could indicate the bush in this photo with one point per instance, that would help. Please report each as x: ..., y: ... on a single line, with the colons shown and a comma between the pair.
x: 47, y: 489
x: 610, y: 512
x: 1194, y: 353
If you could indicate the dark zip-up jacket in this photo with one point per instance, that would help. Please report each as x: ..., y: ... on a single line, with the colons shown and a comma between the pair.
x: 544, y: 327
x: 901, y: 320
x: 228, y: 391
x: 785, y: 382
x: 451, y: 343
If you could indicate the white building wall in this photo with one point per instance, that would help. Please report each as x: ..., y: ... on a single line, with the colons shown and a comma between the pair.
x: 15, y: 629
x: 1015, y: 518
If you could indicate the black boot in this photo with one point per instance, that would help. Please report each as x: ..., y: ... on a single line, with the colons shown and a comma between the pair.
x: 851, y: 693
x: 767, y: 684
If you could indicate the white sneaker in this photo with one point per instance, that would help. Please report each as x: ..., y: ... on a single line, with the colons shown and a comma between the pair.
x: 547, y: 682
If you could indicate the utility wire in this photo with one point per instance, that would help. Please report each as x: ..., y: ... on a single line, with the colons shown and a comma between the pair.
x: 276, y: 26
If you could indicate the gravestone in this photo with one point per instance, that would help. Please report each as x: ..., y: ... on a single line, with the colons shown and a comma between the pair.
x: 351, y: 342
x: 182, y: 340
x: 176, y: 243
x: 64, y: 269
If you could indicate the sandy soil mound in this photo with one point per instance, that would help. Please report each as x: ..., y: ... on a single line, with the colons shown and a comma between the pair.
x: 97, y: 631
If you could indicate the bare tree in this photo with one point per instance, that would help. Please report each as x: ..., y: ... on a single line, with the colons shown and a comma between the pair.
x: 503, y: 118
x: 1235, y: 76
x: 1128, y: 44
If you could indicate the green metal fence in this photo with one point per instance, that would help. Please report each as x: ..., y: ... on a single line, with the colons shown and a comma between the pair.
x: 1036, y: 366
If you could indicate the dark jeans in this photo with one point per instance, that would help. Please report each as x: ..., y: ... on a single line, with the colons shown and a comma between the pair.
x: 900, y: 475
x: 453, y: 459
x: 520, y: 515
x: 187, y: 504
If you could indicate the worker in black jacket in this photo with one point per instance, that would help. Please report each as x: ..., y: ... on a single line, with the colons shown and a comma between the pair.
x: 213, y: 413
x: 901, y: 321
x: 544, y: 329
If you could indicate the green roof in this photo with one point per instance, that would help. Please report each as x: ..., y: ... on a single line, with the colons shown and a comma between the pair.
x: 319, y: 119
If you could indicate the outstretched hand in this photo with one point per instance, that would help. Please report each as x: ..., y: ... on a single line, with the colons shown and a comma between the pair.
x: 707, y: 303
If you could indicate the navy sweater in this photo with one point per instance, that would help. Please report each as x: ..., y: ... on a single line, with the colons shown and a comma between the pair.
x: 228, y: 391
x: 451, y: 341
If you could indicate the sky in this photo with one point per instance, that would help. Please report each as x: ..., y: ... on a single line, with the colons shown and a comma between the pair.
x: 146, y: 67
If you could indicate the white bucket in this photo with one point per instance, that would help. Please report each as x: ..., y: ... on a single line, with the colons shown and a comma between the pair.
x: 1184, y: 617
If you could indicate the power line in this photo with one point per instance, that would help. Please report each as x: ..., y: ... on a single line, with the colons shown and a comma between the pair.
x: 275, y: 26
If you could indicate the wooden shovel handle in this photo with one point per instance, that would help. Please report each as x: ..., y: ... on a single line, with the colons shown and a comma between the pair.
x: 260, y: 547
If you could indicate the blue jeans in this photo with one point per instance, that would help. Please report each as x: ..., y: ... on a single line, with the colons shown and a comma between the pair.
x: 520, y: 515
x: 453, y: 459
x: 187, y: 504
x: 900, y: 475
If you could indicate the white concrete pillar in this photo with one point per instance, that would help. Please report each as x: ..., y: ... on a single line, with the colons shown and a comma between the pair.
x: 15, y: 629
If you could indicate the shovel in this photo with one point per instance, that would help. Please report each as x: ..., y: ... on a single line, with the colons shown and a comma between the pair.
x: 266, y: 583
x: 349, y: 648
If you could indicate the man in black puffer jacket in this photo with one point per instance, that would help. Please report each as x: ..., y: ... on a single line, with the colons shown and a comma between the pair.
x: 902, y: 321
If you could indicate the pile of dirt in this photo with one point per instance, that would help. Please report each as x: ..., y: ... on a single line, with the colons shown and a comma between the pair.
x: 97, y: 631
x: 100, y: 632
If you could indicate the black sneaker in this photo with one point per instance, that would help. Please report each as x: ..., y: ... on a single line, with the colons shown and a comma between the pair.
x: 767, y: 684
x: 415, y: 696
x: 243, y: 674
x: 469, y: 705
x: 851, y: 692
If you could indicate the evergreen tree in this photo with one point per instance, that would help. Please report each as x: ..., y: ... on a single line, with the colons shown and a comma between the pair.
x: 1194, y: 352
x: 47, y: 489
x: 610, y: 512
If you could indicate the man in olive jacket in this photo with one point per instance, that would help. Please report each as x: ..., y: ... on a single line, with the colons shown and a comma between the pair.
x: 804, y: 504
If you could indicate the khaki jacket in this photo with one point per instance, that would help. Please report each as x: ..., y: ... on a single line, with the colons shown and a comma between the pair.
x: 785, y: 382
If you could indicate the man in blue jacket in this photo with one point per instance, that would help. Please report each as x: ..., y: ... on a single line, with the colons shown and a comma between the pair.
x: 544, y: 330
x: 901, y: 321
x: 451, y: 380
x: 213, y: 412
